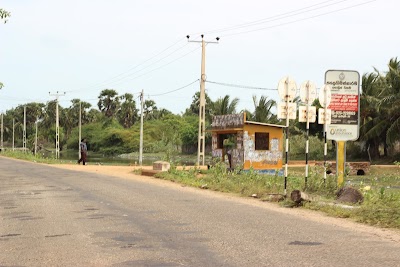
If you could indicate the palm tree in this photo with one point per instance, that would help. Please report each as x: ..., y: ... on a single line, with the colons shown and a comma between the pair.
x: 4, y: 14
x: 150, y: 110
x: 371, y: 124
x: 109, y: 103
x: 195, y: 105
x: 262, y: 110
x: 224, y: 106
x: 128, y: 113
x: 390, y: 101
x: 380, y: 112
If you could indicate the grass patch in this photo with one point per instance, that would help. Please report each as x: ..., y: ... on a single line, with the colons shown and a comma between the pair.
x: 381, y: 190
x: 30, y: 157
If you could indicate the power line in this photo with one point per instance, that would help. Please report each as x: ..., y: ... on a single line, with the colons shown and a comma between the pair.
x: 140, y: 70
x: 124, y: 80
x: 138, y: 65
x: 298, y: 20
x: 243, y: 86
x: 162, y: 66
x: 278, y: 17
x: 121, y: 77
x: 180, y: 88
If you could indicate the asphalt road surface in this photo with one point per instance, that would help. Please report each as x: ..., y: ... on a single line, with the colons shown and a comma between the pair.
x: 56, y: 217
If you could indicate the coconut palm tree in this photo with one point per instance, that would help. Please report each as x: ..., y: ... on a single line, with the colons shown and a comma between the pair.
x: 224, y: 106
x: 371, y: 124
x: 262, y: 110
x: 390, y: 101
x: 380, y: 108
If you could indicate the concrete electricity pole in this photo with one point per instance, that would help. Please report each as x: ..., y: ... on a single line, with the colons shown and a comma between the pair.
x: 141, y: 129
x: 57, y: 95
x: 80, y: 129
x: 1, y: 132
x: 13, y: 138
x: 24, y: 132
x: 36, y: 133
x: 202, y: 107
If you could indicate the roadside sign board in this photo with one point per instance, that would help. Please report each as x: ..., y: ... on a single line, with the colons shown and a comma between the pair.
x: 308, y: 92
x: 282, y: 110
x: 325, y: 95
x: 287, y: 88
x: 311, y: 114
x: 322, y: 118
x: 344, y: 105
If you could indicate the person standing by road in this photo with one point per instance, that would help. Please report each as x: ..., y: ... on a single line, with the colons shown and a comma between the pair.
x: 83, y: 148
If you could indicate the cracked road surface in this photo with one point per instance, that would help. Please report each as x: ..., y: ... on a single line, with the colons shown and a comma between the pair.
x: 93, y: 216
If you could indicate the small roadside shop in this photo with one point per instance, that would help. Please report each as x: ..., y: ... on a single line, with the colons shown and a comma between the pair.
x: 247, y: 144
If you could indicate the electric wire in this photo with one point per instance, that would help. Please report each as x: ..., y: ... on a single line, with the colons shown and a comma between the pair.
x: 278, y: 17
x: 298, y: 20
x: 162, y: 66
x: 242, y: 86
x: 124, y: 80
x: 135, y: 66
x: 180, y: 88
x: 232, y: 34
x: 140, y: 70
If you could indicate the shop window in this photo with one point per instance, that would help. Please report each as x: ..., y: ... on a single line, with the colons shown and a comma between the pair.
x: 262, y: 141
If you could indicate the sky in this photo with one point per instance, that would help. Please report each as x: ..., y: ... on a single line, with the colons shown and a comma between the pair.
x: 82, y: 47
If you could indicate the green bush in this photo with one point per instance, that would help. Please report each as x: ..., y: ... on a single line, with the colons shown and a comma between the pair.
x: 297, y: 148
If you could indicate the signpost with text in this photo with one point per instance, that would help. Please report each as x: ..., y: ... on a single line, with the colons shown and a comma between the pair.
x: 345, y: 110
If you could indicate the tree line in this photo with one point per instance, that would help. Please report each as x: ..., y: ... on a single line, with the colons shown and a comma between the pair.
x: 113, y: 127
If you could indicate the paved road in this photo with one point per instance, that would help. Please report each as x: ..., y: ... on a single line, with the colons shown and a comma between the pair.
x: 55, y: 217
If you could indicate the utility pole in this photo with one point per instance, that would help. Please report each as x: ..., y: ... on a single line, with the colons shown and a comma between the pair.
x: 24, y: 132
x: 57, y: 95
x: 202, y: 107
x: 141, y: 129
x: 13, y: 138
x: 80, y: 129
x: 36, y: 133
x: 2, y: 132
